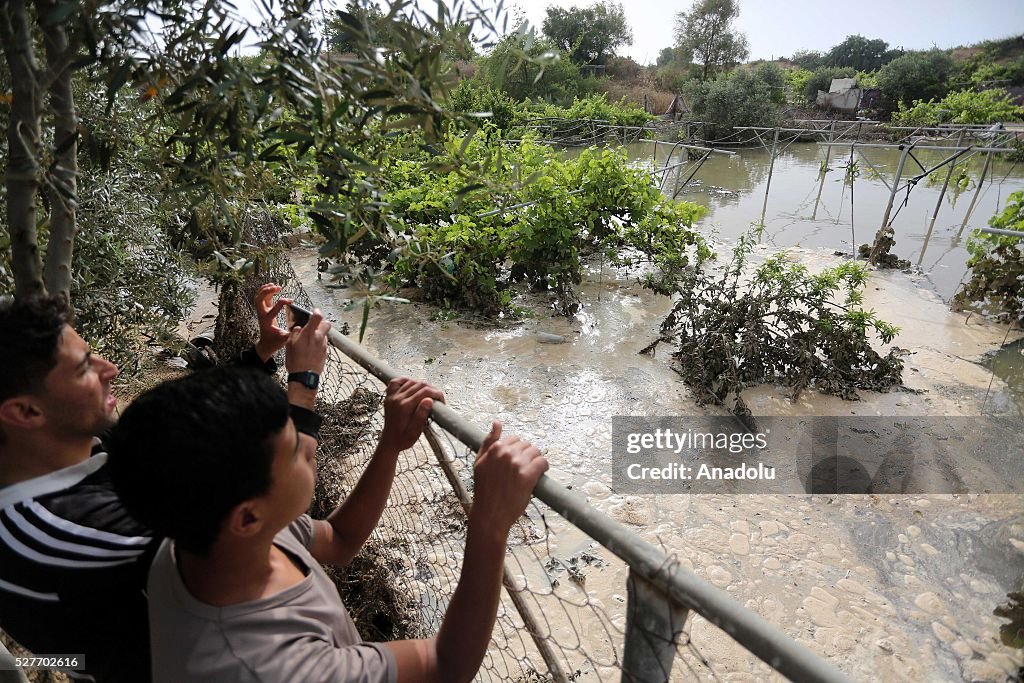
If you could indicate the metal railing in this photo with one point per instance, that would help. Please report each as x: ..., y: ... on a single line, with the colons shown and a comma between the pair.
x: 660, y: 591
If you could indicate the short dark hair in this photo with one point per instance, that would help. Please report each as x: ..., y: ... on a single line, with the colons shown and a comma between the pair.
x: 30, y: 331
x: 188, y: 451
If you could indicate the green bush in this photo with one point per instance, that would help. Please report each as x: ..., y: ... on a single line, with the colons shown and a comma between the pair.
x: 997, y: 267
x: 779, y: 324
x: 735, y: 99
x: 775, y: 78
x: 593, y: 108
x: 915, y: 76
x: 984, y: 73
x: 558, y: 80
x: 797, y: 80
x: 463, y: 255
x: 472, y: 96
x: 963, y: 106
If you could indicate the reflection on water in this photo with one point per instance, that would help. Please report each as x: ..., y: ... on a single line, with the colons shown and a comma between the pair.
x: 733, y: 188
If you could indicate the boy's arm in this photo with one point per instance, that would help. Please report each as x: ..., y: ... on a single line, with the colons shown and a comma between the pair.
x: 407, y: 405
x: 505, y: 476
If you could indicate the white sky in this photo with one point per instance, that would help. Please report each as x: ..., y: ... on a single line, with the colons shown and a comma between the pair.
x: 778, y: 29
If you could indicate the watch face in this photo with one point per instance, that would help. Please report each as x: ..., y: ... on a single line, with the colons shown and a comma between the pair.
x: 310, y: 380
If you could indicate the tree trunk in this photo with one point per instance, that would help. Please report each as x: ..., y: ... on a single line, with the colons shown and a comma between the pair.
x: 23, y: 144
x: 62, y: 187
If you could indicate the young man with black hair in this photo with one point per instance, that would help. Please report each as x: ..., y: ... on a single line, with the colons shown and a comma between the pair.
x: 237, y: 592
x: 73, y: 562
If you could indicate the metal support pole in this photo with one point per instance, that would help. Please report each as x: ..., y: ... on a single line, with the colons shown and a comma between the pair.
x: 938, y: 204
x: 543, y: 646
x: 884, y: 232
x: 653, y: 625
x: 824, y: 171
x: 895, y: 187
x: 771, y: 167
x: 977, y: 192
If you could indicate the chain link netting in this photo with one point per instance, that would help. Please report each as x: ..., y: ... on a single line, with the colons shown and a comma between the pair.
x: 551, y: 625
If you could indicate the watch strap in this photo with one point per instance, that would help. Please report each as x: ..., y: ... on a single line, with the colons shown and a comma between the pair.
x: 308, y: 379
x: 306, y: 421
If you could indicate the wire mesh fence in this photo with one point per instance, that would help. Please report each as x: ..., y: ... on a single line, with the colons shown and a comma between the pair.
x: 571, y: 610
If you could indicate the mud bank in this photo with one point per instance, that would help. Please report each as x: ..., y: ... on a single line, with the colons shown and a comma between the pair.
x: 887, y: 587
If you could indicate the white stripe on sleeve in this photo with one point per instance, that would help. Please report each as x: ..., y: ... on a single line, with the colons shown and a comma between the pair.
x: 85, y: 531
x: 21, y: 590
x: 36, y: 556
x: 40, y: 535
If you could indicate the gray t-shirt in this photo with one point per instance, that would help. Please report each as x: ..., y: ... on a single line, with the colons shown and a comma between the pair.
x: 302, y: 633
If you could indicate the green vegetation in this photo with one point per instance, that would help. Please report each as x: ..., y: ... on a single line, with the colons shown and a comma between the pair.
x: 861, y: 54
x: 512, y: 118
x: 916, y: 76
x: 780, y: 324
x: 179, y: 141
x: 706, y: 33
x: 595, y: 108
x: 739, y: 98
x: 465, y: 254
x: 997, y: 267
x: 526, y: 68
x: 589, y: 35
x: 963, y: 106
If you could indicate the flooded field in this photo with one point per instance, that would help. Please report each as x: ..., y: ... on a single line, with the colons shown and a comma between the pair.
x: 797, y: 215
x: 889, y: 588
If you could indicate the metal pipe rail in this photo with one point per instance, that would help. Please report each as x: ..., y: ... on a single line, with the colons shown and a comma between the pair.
x: 703, y: 149
x: 940, y: 148
x: 836, y: 121
x: 956, y: 127
x: 674, y: 582
x: 1000, y: 231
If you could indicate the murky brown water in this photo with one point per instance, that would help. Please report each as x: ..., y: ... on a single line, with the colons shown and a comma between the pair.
x: 733, y: 188
x: 888, y: 587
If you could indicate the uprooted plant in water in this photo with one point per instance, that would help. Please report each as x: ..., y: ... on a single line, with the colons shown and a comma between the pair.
x: 776, y: 324
x: 997, y: 267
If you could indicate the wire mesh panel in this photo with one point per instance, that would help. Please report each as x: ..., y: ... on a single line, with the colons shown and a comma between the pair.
x: 571, y: 610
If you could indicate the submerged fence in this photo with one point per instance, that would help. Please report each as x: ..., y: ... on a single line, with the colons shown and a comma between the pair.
x: 585, y: 598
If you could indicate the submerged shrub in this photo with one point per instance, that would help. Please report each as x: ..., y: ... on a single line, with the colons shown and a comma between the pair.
x: 997, y: 267
x: 780, y: 324
x: 463, y: 253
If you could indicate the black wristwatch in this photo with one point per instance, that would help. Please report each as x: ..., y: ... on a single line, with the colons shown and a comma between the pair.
x: 308, y: 379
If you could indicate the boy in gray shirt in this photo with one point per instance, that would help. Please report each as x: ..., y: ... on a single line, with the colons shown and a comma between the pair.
x: 214, y: 462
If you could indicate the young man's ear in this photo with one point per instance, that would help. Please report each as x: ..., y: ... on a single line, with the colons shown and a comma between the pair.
x: 22, y: 412
x: 245, y: 520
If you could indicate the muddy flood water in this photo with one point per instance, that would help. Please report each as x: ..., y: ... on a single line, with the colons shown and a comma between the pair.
x: 888, y: 587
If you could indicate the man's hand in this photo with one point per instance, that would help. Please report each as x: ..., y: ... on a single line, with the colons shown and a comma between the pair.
x: 407, y: 404
x: 306, y: 351
x: 504, y: 476
x: 272, y: 338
